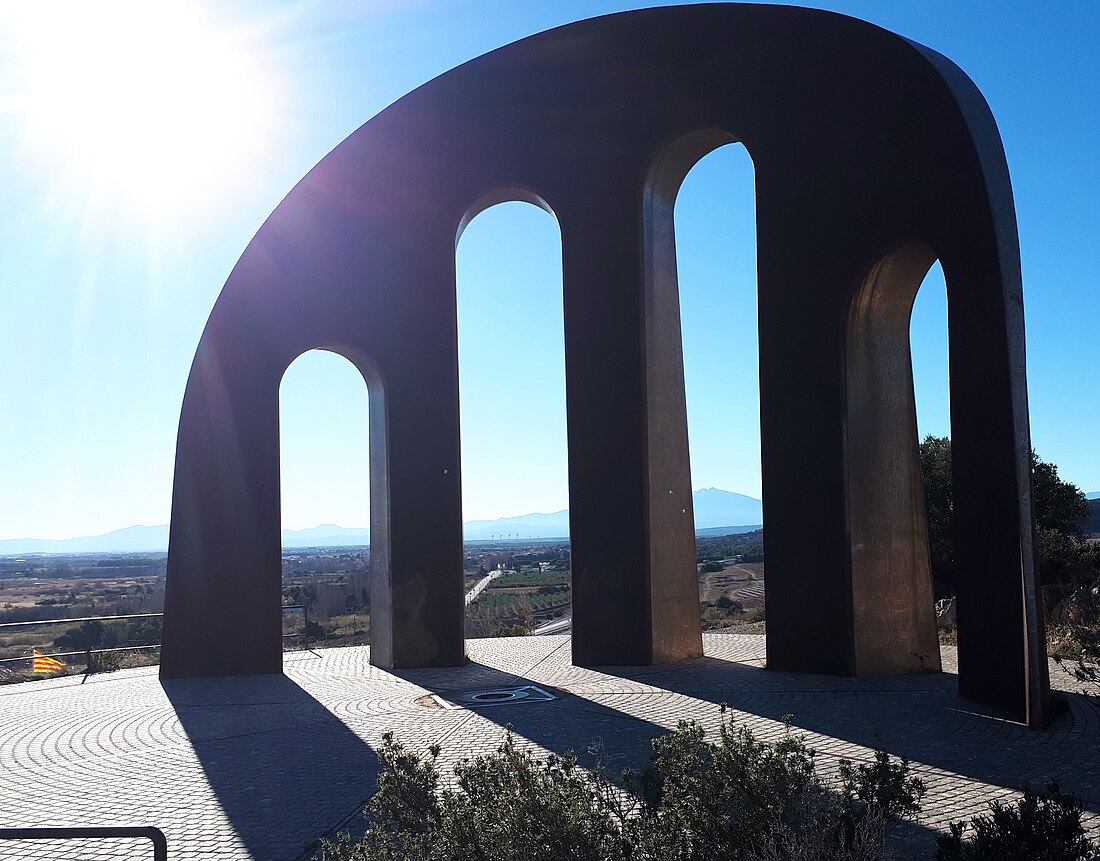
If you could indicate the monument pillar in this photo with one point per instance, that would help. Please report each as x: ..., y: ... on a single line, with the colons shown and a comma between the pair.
x: 632, y: 532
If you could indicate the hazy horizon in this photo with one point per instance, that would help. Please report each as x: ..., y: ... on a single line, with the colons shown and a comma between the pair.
x: 353, y: 527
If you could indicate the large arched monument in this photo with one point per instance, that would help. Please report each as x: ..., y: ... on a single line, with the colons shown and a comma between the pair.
x: 874, y: 157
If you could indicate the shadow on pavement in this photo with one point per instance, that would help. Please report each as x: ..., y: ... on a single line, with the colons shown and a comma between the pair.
x: 284, y: 769
x: 598, y: 733
x: 621, y: 740
x: 919, y: 717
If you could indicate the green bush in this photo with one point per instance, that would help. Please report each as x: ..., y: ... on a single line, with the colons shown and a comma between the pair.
x: 507, y: 805
x: 740, y: 798
x: 554, y: 590
x: 704, y: 800
x: 543, y: 578
x: 511, y: 631
x: 1058, y: 506
x: 90, y: 635
x: 718, y: 614
x: 108, y: 635
x: 104, y: 662
x: 1076, y: 639
x: 882, y: 786
x: 1044, y: 825
x: 698, y: 800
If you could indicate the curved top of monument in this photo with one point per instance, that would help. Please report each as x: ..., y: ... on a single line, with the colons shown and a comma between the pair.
x: 580, y: 114
x: 872, y: 156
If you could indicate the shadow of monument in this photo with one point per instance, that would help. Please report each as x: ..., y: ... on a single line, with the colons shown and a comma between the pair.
x: 568, y: 722
x: 601, y: 734
x: 284, y: 769
x: 919, y: 717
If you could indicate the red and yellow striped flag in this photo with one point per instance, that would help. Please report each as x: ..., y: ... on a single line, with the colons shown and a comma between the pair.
x: 42, y: 664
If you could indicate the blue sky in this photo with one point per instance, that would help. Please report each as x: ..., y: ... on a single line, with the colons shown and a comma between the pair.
x: 144, y: 143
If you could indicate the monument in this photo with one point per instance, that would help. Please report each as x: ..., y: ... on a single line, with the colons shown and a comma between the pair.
x: 874, y: 157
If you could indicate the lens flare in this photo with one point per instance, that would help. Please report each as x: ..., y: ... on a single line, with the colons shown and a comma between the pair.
x: 151, y: 105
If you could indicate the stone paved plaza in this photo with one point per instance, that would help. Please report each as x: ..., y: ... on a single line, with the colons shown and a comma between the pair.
x: 259, y: 767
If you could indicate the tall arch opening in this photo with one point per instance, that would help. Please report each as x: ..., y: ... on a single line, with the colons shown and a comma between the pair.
x: 326, y: 485
x: 894, y: 627
x: 512, y: 412
x: 715, y: 224
x: 931, y: 393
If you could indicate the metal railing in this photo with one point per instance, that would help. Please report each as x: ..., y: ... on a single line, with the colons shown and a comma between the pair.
x: 160, y: 844
x: 88, y: 651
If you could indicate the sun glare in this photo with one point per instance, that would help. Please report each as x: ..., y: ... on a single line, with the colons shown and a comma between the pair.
x: 149, y: 103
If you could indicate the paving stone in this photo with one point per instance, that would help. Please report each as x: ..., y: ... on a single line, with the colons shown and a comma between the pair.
x: 260, y: 767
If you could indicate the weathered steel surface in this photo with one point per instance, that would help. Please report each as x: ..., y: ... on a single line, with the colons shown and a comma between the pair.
x: 873, y: 157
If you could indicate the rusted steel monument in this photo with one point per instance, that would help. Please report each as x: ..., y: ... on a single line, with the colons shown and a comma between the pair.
x: 874, y: 157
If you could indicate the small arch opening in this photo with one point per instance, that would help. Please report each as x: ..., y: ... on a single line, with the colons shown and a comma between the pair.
x: 332, y: 496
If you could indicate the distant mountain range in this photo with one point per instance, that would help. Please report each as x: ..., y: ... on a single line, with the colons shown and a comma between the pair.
x: 132, y: 539
x: 325, y: 535
x: 1095, y: 495
x: 154, y: 539
x: 716, y: 511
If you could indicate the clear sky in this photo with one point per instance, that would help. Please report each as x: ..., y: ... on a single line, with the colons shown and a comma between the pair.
x: 142, y: 144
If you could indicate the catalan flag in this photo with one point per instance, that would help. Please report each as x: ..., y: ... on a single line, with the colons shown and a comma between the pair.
x: 42, y: 664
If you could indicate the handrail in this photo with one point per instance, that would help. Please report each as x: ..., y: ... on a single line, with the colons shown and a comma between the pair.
x: 80, y: 619
x: 89, y: 652
x: 112, y: 618
x: 160, y: 844
x: 80, y: 652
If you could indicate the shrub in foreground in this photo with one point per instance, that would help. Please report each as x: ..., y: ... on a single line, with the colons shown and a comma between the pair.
x: 507, y: 805
x: 1044, y: 825
x: 743, y: 798
x: 698, y: 800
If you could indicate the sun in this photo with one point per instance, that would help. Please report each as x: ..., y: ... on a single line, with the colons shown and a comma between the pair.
x: 146, y: 102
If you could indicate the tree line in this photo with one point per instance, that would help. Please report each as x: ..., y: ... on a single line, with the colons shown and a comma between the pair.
x: 1065, y: 559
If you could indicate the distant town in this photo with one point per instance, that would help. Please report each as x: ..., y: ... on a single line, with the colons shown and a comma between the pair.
x: 517, y: 581
x: 515, y: 587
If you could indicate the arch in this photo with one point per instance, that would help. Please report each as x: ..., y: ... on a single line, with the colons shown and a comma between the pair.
x: 362, y: 252
x: 504, y: 193
x: 894, y: 623
x: 378, y: 488
x: 891, y: 581
x: 374, y: 390
x: 511, y: 368
x: 928, y: 347
x: 673, y: 600
x: 714, y: 215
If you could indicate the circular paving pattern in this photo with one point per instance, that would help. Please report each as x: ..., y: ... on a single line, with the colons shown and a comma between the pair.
x: 259, y: 767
